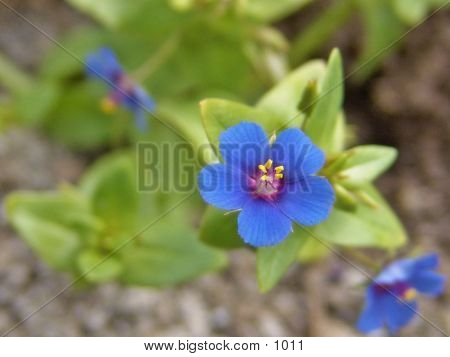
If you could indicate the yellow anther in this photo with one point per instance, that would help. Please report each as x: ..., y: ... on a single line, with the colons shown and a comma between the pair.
x: 268, y: 164
x: 410, y: 294
x: 262, y: 168
x: 279, y: 176
x: 279, y: 169
x: 264, y: 178
x: 108, y: 106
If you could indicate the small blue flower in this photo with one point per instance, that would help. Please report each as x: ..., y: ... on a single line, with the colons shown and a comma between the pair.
x: 391, y: 298
x: 272, y: 184
x: 103, y: 64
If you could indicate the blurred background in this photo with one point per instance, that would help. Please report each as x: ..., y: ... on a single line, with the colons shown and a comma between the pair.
x: 403, y: 102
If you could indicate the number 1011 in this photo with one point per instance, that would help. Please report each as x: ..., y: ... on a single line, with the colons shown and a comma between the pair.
x: 285, y: 345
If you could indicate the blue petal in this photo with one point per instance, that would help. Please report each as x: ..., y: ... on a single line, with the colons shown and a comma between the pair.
x: 397, y: 313
x: 245, y: 146
x: 397, y: 271
x: 261, y: 224
x: 296, y: 152
x: 223, y: 186
x: 428, y: 282
x: 139, y: 99
x: 371, y: 318
x: 307, y: 202
x: 429, y: 261
x: 103, y: 64
x: 404, y: 269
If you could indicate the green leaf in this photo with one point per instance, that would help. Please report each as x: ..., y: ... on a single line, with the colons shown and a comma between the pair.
x: 365, y: 226
x: 111, y: 187
x: 55, y: 225
x: 58, y: 64
x: 339, y: 137
x: 77, y: 120
x: 54, y: 243
x: 312, y: 250
x: 321, y: 124
x: 184, y: 118
x: 345, y: 199
x: 365, y: 163
x: 97, y: 268
x: 219, y: 229
x: 270, y: 10
x: 382, y: 32
x: 110, y: 13
x: 167, y: 257
x: 411, y: 12
x: 218, y: 115
x: 311, y: 39
x: 66, y: 207
x: 273, y: 262
x: 283, y: 100
x: 34, y: 105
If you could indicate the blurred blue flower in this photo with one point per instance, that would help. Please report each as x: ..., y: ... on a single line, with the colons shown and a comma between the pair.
x: 271, y: 182
x: 103, y: 64
x: 391, y: 298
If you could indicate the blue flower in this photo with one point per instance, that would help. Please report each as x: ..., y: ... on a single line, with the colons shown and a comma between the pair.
x: 103, y: 64
x: 391, y: 298
x: 272, y: 184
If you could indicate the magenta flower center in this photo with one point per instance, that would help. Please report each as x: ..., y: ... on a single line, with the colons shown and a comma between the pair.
x: 401, y: 289
x: 123, y: 89
x: 268, y: 181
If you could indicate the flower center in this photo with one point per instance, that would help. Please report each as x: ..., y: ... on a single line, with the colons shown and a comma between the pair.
x: 108, y: 105
x: 268, y: 180
x: 400, y: 289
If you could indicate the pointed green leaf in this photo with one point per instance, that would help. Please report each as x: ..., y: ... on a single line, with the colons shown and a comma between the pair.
x: 283, y: 100
x: 110, y: 13
x: 312, y: 250
x: 55, y: 244
x: 365, y: 226
x: 338, y: 139
x: 97, y: 268
x: 270, y: 10
x: 67, y: 207
x: 56, y: 225
x: 382, y: 29
x: 168, y: 257
x: 321, y: 124
x: 365, y: 163
x: 218, y: 115
x: 273, y: 262
x: 112, y: 189
x: 411, y: 12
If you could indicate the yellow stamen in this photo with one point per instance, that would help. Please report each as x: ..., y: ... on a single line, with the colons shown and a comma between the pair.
x: 279, y: 176
x: 108, y: 106
x: 410, y: 294
x: 262, y: 168
x: 279, y: 169
x: 268, y: 164
x: 264, y: 178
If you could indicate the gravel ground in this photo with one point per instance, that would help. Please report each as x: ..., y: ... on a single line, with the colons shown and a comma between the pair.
x: 406, y: 106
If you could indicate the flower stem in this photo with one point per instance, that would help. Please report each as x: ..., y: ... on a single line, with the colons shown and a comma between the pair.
x: 12, y: 77
x: 152, y: 64
x: 310, y: 39
x: 363, y: 259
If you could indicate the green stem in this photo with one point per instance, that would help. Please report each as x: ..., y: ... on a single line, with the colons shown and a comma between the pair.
x: 363, y: 259
x: 13, y: 78
x: 320, y: 30
x: 158, y: 58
